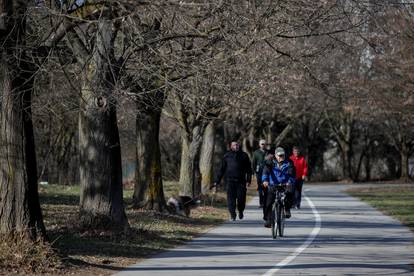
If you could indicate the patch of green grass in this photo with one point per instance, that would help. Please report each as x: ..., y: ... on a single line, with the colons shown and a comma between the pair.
x: 396, y: 201
x: 69, y: 194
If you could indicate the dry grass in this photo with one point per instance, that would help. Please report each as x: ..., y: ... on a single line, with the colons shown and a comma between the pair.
x: 75, y: 251
x: 21, y: 255
x: 78, y: 252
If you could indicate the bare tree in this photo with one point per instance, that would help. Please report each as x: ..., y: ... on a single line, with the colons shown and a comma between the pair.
x: 101, y: 198
x: 19, y: 201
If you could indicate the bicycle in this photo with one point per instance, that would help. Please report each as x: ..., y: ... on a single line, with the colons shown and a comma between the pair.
x: 278, y: 211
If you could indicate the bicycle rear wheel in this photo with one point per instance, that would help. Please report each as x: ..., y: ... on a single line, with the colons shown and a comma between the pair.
x: 273, y: 221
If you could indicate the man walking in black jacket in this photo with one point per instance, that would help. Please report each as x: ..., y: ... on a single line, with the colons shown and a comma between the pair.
x: 237, y: 172
x: 258, y: 163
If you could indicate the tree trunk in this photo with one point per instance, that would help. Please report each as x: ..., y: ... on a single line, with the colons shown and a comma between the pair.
x: 190, y: 185
x: 269, y: 133
x: 186, y: 168
x: 226, y: 135
x: 246, y: 147
x: 368, y: 167
x: 36, y: 218
x: 344, y: 135
x: 404, y: 161
x: 64, y: 158
x: 359, y: 166
x: 101, y: 199
x: 207, y: 157
x: 269, y: 138
x: 346, y: 154
x: 279, y: 139
x: 148, y: 192
x: 20, y: 210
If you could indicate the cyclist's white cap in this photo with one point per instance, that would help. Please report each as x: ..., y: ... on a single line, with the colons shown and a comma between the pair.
x: 279, y: 151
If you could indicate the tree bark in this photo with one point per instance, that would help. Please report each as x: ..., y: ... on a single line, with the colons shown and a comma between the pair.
x: 64, y: 158
x: 403, y: 143
x: 20, y: 211
x: 101, y: 199
x: 248, y: 142
x: 269, y: 133
x: 149, y: 192
x: 279, y: 139
x: 246, y: 147
x: 36, y: 217
x: 207, y: 157
x: 190, y: 185
x: 344, y: 135
x: 368, y: 167
x: 404, y: 160
x: 359, y: 166
x: 346, y: 154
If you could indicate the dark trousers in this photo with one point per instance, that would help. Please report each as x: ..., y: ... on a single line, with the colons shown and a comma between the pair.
x: 265, y: 194
x: 298, y: 192
x: 236, y: 195
x: 260, y: 189
x: 270, y: 199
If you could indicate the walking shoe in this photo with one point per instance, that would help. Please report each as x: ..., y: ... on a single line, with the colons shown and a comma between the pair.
x: 232, y: 218
x: 267, y: 224
x: 241, y: 216
x: 287, y: 214
x: 298, y: 207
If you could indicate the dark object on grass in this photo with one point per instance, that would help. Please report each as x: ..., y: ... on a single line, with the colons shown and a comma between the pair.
x: 182, y: 205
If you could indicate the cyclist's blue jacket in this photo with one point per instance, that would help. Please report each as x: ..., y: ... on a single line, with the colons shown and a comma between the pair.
x: 282, y: 173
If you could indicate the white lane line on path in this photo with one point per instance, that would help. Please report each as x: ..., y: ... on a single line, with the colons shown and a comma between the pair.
x: 300, y: 249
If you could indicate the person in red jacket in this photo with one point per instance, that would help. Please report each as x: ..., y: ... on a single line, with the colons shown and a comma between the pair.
x: 301, y: 172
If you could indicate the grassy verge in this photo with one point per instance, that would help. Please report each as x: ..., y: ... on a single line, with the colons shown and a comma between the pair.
x: 104, y: 253
x: 396, y: 201
x: 78, y: 252
x: 19, y: 255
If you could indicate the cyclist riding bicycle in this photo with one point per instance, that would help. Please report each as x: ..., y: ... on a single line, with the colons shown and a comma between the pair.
x: 282, y: 172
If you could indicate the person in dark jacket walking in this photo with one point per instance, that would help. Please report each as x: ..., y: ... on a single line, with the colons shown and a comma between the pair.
x: 257, y: 166
x: 267, y: 165
x: 236, y: 170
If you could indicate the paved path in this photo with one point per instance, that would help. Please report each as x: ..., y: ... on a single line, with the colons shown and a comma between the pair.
x: 353, y: 239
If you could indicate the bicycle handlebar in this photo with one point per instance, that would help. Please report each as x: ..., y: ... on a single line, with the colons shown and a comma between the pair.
x: 280, y: 187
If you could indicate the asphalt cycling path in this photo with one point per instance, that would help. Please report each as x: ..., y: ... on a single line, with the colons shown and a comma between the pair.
x: 333, y: 234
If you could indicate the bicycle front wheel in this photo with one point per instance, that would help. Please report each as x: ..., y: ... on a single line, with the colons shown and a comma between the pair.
x: 274, y: 226
x: 281, y: 220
